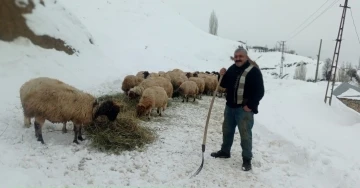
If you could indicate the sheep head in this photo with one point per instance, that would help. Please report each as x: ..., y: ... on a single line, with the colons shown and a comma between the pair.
x: 189, y: 74
x: 135, y: 92
x: 108, y: 108
x: 141, y: 110
x: 146, y: 74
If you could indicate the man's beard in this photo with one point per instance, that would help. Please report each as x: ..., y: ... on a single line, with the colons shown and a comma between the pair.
x: 237, y: 61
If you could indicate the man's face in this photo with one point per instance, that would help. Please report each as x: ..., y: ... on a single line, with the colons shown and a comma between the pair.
x: 240, y: 58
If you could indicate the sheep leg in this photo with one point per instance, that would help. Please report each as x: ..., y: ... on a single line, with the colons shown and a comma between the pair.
x: 76, y: 131
x: 80, y: 134
x: 27, y: 121
x: 39, y: 122
x: 187, y: 98
x: 64, y: 130
x: 194, y: 98
x: 159, y: 110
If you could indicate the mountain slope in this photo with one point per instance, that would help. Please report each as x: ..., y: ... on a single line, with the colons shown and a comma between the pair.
x: 270, y: 64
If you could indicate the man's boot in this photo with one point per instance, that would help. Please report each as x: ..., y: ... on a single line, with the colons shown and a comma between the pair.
x: 246, y: 166
x: 220, y: 154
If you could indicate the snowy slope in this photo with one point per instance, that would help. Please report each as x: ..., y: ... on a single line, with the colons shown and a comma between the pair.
x: 269, y: 62
x: 298, y: 140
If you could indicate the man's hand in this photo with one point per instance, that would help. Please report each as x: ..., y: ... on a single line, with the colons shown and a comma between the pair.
x: 247, y: 109
x: 222, y: 71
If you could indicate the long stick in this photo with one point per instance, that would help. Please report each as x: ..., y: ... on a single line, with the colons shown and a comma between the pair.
x: 206, y: 127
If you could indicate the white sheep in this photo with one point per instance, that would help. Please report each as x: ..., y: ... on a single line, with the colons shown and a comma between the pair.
x: 152, y: 97
x: 188, y: 89
x: 152, y: 81
x: 53, y: 100
x: 200, y: 83
x: 130, y: 81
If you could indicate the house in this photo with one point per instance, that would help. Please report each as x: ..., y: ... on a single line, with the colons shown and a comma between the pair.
x: 260, y: 49
x: 349, y: 95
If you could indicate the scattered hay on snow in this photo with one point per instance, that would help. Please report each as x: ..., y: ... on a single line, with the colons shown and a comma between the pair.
x: 124, y: 133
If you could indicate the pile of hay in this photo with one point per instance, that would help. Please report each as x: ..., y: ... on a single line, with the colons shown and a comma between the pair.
x: 124, y: 133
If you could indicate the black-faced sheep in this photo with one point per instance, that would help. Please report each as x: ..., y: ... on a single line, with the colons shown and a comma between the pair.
x: 53, y: 100
x: 188, y: 89
x: 152, y: 97
x: 130, y: 81
x: 153, y: 81
x: 189, y: 74
x: 142, y: 74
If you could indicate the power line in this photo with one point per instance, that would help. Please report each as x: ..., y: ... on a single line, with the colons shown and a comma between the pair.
x: 314, y: 19
x: 310, y: 16
x: 355, y: 26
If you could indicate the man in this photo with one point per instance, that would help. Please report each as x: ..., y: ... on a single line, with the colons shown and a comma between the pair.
x: 244, y: 90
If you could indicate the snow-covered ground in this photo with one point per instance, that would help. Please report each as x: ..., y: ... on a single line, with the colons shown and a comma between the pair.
x: 270, y: 64
x: 298, y: 140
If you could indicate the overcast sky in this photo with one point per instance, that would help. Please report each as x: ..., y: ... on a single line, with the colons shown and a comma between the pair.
x: 264, y: 22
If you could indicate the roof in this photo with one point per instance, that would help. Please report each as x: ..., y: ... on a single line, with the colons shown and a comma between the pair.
x: 347, y: 91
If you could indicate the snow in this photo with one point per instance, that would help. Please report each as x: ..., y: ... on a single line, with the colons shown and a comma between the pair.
x: 350, y: 94
x: 298, y: 140
x: 270, y: 64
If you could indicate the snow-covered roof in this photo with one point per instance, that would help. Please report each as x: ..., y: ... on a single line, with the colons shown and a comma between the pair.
x: 350, y: 94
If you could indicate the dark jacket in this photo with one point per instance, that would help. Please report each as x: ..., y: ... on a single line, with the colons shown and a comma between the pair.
x: 253, y: 88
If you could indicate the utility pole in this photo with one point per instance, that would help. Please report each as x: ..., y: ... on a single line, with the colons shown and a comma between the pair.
x: 336, y: 53
x: 282, y: 43
x: 317, y: 66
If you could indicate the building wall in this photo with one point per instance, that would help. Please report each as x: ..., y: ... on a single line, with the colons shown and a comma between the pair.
x: 354, y: 104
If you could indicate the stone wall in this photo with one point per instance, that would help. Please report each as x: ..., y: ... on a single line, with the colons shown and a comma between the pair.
x: 354, y: 104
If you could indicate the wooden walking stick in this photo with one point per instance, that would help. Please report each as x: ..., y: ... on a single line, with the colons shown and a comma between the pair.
x: 206, y: 127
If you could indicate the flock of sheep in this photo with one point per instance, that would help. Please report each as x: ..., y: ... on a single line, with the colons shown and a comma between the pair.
x: 50, y: 99
x: 45, y: 98
x: 154, y: 89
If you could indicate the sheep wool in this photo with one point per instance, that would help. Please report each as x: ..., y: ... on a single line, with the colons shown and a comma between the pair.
x: 53, y: 100
x: 200, y: 83
x: 130, y: 81
x: 152, y: 97
x: 152, y: 81
x: 188, y: 89
x: 210, y: 84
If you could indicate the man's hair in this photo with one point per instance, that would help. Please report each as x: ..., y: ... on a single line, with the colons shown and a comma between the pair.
x: 240, y: 49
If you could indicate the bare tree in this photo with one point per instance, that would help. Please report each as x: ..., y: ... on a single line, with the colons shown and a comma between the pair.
x: 300, y: 72
x: 213, y: 23
x: 326, y: 68
x: 358, y: 66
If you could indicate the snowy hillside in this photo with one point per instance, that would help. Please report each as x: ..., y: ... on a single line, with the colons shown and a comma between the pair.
x: 270, y: 64
x: 298, y: 140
